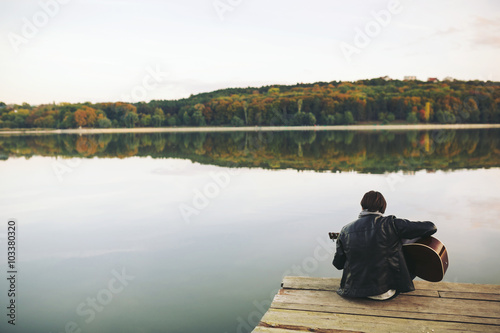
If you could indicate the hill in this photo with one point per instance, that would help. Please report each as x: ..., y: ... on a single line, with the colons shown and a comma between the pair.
x: 320, y: 103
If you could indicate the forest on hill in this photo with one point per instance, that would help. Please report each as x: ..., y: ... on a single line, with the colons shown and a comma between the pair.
x: 321, y: 103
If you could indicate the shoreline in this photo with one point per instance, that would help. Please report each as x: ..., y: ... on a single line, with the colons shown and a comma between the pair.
x: 398, y: 127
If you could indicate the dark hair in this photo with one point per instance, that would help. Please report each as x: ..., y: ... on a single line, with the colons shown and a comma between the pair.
x: 374, y: 201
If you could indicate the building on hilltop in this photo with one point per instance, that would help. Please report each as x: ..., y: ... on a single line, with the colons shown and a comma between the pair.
x: 432, y: 79
x: 410, y: 78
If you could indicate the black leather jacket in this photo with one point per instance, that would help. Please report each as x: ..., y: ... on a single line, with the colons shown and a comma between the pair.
x: 369, y: 250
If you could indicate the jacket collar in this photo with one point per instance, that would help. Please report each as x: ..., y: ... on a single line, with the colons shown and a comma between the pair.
x: 364, y: 212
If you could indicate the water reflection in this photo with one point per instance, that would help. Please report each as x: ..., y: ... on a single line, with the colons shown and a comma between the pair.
x: 366, y: 152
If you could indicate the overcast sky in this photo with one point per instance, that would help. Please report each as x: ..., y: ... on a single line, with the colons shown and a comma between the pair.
x: 131, y: 50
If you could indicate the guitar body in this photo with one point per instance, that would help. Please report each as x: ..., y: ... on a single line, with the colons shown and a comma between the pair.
x: 426, y: 257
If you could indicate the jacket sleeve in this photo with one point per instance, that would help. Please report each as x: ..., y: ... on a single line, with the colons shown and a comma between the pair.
x: 409, y: 229
x: 339, y: 258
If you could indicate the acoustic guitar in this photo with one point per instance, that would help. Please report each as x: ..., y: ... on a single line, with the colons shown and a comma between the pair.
x: 425, y: 257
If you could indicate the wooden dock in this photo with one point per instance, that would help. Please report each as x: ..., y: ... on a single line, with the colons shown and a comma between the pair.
x: 312, y: 305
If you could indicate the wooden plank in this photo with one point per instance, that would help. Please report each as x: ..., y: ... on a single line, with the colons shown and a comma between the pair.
x: 262, y: 329
x: 472, y: 296
x: 459, y: 287
x: 301, y: 282
x: 296, y: 329
x: 426, y: 293
x: 332, y: 284
x: 322, y: 322
x: 383, y: 313
x: 473, y: 311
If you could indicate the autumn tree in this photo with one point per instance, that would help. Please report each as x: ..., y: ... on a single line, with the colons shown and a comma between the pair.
x: 85, y: 116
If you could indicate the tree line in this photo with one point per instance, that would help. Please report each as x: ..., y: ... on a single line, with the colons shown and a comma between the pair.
x: 321, y: 103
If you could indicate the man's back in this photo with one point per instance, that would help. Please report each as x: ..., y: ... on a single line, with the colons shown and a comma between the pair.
x: 370, y: 252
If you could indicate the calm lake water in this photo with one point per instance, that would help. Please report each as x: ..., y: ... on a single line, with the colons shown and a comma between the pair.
x: 194, y: 232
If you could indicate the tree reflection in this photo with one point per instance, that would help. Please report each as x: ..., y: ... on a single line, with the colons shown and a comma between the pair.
x: 369, y: 152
